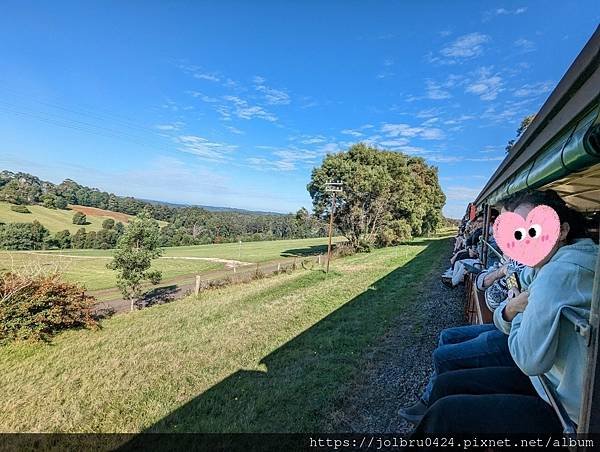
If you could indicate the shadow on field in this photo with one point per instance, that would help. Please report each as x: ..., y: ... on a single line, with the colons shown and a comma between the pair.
x: 303, y: 252
x: 303, y: 375
x: 160, y: 295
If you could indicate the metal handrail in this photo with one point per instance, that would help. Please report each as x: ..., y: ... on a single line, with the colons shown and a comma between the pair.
x: 569, y: 428
x: 490, y: 247
x: 583, y: 328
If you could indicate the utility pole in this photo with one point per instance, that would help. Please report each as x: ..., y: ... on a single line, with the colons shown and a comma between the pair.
x: 335, y: 188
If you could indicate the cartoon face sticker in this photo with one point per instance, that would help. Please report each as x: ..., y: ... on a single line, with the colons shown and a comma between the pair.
x: 528, y: 240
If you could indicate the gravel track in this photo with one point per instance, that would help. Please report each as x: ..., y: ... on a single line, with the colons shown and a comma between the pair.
x: 397, y: 369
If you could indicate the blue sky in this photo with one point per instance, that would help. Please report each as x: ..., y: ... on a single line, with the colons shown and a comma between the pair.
x: 234, y: 102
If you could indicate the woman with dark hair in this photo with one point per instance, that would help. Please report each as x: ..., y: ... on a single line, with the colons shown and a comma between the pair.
x: 506, y: 400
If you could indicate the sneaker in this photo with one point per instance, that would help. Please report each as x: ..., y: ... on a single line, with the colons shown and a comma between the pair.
x: 447, y: 282
x: 413, y: 413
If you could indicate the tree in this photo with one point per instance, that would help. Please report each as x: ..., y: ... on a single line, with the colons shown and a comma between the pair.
x: 60, y: 202
x: 525, y: 122
x: 136, y: 250
x: 78, y: 239
x: 109, y: 223
x: 79, y: 218
x: 379, y: 189
x: 23, y: 236
x: 63, y: 239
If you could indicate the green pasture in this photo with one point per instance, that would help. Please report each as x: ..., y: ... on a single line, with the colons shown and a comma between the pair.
x: 273, y: 355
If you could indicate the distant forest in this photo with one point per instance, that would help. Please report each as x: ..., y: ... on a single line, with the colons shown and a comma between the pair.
x: 186, y: 225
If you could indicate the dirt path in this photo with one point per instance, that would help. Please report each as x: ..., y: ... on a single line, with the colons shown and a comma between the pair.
x: 230, y: 263
x: 181, y: 286
x: 396, y: 371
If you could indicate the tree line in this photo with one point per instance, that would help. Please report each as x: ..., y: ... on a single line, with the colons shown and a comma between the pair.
x: 185, y: 225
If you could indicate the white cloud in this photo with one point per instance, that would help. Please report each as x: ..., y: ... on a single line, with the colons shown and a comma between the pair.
x: 488, y: 15
x: 461, y: 193
x: 487, y: 85
x: 271, y: 95
x: 169, y: 127
x: 202, y: 147
x: 407, y: 131
x: 197, y: 72
x: 283, y: 160
x: 466, y: 46
x: 525, y: 45
x: 354, y: 133
x: 395, y: 143
x: 235, y: 130
x: 435, y: 91
x: 534, y: 89
x: 242, y: 109
x: 203, y: 97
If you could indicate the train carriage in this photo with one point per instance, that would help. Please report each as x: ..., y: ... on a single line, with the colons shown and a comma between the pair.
x: 560, y: 150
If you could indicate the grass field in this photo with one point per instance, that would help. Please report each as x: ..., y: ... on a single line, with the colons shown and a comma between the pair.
x: 54, y: 219
x: 271, y: 355
x: 88, y: 267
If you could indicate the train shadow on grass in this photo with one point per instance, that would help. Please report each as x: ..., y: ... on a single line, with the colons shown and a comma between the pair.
x: 305, y: 376
x: 305, y: 252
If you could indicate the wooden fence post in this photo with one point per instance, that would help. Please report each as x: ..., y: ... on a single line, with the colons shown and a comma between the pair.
x: 197, y: 289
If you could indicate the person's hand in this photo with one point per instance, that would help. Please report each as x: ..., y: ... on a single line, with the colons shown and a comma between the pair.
x: 513, y: 292
x: 472, y: 253
x: 503, y: 270
x: 515, y: 306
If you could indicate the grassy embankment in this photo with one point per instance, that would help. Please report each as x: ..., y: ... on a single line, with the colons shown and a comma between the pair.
x: 271, y: 355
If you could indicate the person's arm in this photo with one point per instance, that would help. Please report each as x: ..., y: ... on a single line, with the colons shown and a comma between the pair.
x: 499, y: 321
x: 534, y: 333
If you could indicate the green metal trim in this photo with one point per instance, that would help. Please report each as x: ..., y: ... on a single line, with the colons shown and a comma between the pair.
x: 574, y: 150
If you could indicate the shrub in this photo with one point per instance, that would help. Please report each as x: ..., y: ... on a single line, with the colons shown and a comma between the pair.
x: 37, y: 307
x: 79, y: 218
x: 20, y: 209
x: 342, y: 249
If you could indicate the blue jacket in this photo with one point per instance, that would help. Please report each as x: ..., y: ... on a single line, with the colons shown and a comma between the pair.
x: 540, y: 340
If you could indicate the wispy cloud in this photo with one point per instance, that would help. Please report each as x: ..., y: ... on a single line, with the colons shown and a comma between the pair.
x: 464, y: 47
x: 169, y: 127
x: 235, y: 130
x: 486, y: 85
x: 283, y: 160
x: 204, y: 148
x: 525, y: 45
x: 271, y: 95
x: 488, y: 15
x: 242, y: 109
x: 407, y: 131
x: 461, y: 193
x: 203, y: 97
x: 534, y: 89
x: 351, y: 132
x: 436, y: 92
x: 197, y: 72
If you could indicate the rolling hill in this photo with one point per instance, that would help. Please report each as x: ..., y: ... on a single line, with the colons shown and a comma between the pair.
x: 58, y: 220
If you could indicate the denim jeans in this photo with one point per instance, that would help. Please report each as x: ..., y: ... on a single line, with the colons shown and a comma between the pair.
x: 469, y: 347
x: 490, y: 400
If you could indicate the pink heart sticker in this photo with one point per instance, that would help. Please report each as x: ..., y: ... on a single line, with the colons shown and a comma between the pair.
x: 528, y: 240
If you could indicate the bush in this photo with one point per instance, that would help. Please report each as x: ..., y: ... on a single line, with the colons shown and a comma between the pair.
x: 79, y: 218
x: 38, y: 307
x: 20, y: 209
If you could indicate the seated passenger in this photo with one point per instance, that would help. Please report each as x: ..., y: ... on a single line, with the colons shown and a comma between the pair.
x: 504, y: 399
x: 470, y: 346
